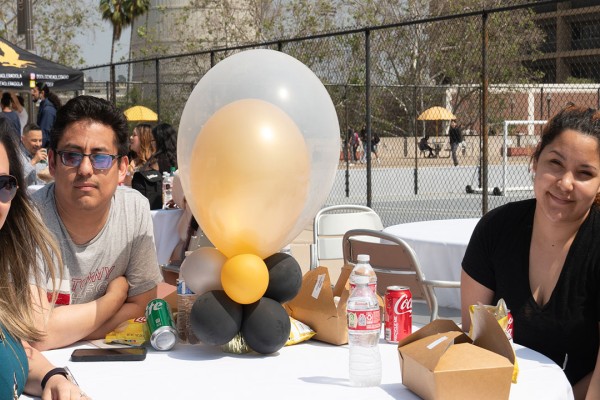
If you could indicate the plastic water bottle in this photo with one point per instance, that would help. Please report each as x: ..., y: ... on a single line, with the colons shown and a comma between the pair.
x: 167, y: 188
x: 364, y: 325
x: 363, y: 268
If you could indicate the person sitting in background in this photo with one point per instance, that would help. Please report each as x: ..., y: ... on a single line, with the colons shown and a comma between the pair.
x: 142, y: 147
x: 424, y: 145
x: 541, y: 255
x: 104, y: 230
x: 9, y: 114
x: 18, y: 105
x: 33, y: 156
x: 165, y: 137
x: 24, y: 239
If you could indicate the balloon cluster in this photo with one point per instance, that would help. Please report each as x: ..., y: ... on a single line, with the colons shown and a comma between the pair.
x: 219, y: 314
x: 257, y: 151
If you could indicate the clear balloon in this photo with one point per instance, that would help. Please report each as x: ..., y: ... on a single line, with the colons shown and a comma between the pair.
x: 249, y: 178
x: 285, y: 82
x: 201, y: 270
x: 245, y: 278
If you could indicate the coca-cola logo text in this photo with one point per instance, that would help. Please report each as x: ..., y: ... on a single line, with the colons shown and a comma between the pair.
x: 403, y: 305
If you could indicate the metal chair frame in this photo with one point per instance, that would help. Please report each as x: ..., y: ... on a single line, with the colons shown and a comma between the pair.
x: 395, y: 263
x: 331, y: 223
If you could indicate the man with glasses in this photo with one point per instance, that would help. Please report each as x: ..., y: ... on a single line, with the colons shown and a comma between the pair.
x: 104, y: 230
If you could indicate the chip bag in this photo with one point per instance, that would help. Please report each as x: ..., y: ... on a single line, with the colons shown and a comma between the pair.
x: 299, y: 332
x: 133, y: 332
x: 504, y: 318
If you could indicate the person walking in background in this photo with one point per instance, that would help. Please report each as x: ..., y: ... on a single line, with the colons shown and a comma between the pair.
x: 9, y: 114
x: 49, y: 105
x: 455, y: 140
x: 165, y: 138
x: 375, y: 139
x: 18, y: 105
x: 363, y: 140
x: 354, y: 143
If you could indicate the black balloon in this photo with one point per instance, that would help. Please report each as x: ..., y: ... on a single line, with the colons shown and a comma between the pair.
x: 266, y: 326
x: 285, y: 277
x: 215, y: 318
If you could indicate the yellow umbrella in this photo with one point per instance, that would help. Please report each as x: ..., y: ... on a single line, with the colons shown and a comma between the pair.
x: 436, y: 114
x: 141, y: 113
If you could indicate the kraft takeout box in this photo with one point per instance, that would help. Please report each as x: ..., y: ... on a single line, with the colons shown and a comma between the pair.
x: 315, y: 305
x: 441, y: 362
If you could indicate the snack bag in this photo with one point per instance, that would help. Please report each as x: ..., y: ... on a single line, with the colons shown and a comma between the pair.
x: 502, y: 314
x: 299, y: 332
x: 504, y: 318
x: 133, y: 332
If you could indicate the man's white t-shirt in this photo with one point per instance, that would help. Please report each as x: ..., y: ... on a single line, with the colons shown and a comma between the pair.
x: 124, y: 247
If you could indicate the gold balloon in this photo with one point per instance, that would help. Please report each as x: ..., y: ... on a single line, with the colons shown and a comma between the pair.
x: 245, y: 278
x: 249, y: 177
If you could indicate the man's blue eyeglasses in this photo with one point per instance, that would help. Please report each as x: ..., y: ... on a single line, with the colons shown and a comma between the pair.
x: 98, y: 160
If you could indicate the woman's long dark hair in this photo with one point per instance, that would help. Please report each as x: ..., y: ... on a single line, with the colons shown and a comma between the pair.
x: 166, y: 143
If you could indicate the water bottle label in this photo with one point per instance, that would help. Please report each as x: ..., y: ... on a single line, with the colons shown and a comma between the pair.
x: 364, y: 320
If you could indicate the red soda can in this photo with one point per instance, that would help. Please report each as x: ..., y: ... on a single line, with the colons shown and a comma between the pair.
x: 398, y: 313
x: 509, y: 325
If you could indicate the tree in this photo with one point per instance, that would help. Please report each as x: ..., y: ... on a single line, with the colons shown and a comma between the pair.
x: 120, y: 13
x: 55, y: 24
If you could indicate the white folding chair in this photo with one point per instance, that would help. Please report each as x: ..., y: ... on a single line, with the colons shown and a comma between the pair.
x: 329, y: 227
x: 395, y: 263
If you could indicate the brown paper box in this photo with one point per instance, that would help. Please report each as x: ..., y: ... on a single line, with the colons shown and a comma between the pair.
x: 314, y: 305
x: 440, y: 362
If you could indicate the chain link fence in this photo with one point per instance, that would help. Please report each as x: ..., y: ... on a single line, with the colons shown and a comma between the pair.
x: 501, y: 71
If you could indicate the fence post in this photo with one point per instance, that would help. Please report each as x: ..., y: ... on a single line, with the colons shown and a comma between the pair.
x: 368, y: 110
x: 484, y: 111
x: 157, y: 68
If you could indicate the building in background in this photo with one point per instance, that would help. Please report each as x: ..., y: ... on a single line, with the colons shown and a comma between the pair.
x: 571, y: 53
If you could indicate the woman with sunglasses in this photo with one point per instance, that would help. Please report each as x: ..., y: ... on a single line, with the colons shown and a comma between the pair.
x: 24, y: 239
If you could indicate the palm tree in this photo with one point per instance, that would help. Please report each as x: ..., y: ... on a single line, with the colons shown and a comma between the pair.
x: 120, y: 13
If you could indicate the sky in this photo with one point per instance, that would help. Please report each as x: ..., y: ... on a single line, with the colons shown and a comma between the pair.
x: 95, y: 44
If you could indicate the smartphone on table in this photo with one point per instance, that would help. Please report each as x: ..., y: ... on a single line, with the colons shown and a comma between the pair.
x: 103, y: 354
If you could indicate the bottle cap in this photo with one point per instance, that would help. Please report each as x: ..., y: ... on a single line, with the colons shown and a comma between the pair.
x: 363, y: 258
x: 361, y: 279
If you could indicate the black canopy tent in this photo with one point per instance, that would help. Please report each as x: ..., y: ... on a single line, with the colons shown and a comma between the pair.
x: 20, y: 70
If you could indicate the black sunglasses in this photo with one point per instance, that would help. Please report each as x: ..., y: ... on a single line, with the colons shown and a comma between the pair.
x: 98, y: 160
x: 8, y: 188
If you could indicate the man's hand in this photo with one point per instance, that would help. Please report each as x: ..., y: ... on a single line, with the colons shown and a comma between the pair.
x: 40, y: 155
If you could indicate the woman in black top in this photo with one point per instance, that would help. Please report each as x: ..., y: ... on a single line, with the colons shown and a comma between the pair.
x: 542, y: 255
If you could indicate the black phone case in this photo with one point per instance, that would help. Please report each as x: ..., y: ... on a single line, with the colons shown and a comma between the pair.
x: 121, y: 354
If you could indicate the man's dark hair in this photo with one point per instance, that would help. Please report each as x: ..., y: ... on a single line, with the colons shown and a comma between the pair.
x: 6, y: 100
x: 31, y: 127
x: 92, y: 109
x: 42, y: 87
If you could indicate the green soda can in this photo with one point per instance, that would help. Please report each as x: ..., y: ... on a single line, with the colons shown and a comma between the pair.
x: 163, y: 334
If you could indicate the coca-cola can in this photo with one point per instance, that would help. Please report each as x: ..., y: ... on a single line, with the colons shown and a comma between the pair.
x: 398, y: 313
x: 509, y: 325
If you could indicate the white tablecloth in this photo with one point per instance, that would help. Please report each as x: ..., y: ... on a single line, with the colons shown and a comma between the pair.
x: 308, y: 370
x: 166, y: 236
x: 440, y: 247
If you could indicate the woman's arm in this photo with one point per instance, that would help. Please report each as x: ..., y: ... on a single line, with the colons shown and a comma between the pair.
x: 58, y: 387
x: 471, y: 292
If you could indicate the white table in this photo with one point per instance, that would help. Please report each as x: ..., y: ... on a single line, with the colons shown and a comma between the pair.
x: 312, y: 369
x: 166, y: 235
x: 440, y: 247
